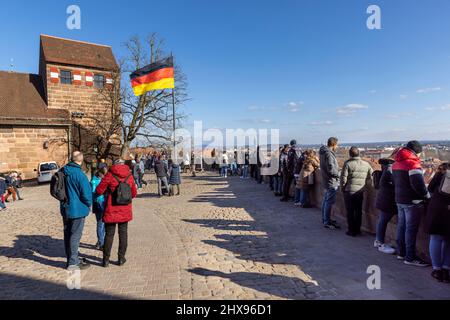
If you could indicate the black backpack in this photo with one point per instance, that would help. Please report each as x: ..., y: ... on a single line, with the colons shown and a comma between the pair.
x: 122, y: 196
x: 58, y: 186
x: 376, y: 177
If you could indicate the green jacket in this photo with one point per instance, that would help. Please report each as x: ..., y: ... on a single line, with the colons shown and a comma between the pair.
x: 355, y: 174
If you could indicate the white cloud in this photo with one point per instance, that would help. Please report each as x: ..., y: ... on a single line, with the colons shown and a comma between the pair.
x: 399, y: 115
x: 441, y: 108
x: 403, y: 96
x: 428, y: 90
x: 294, y: 106
x: 256, y: 121
x: 351, y: 109
x: 321, y: 123
x: 373, y: 91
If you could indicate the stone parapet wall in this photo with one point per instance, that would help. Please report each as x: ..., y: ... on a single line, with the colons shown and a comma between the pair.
x: 370, y: 216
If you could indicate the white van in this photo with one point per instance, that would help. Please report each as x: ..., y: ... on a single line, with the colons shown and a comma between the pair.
x: 45, y: 171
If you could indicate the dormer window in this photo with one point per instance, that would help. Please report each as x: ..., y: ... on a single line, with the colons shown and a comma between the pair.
x: 66, y: 77
x: 99, y: 81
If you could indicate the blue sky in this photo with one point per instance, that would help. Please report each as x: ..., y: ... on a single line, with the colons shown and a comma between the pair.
x: 308, y: 67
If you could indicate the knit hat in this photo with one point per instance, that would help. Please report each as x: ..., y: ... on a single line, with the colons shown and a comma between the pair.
x: 415, y: 146
x: 293, y: 143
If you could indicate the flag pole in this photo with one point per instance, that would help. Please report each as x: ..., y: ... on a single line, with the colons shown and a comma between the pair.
x: 174, y: 121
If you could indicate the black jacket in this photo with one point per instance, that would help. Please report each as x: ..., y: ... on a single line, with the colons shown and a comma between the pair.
x: 437, y: 219
x: 2, y: 187
x: 160, y: 169
x: 386, y: 194
x: 409, y: 183
x: 291, y: 161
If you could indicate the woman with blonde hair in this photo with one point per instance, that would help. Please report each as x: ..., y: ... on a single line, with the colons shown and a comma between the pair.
x: 306, y: 178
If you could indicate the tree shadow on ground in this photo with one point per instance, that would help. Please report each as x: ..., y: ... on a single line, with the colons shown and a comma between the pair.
x: 42, y: 249
x: 275, y: 285
x: 269, y: 242
x: 285, y: 236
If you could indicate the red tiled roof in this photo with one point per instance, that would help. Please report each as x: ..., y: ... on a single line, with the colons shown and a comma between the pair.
x: 77, y: 53
x: 22, y: 97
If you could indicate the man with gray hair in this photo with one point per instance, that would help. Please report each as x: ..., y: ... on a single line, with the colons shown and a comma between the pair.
x: 75, y: 209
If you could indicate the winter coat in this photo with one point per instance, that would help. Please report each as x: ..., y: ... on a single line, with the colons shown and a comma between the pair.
x: 2, y: 186
x: 224, y: 160
x: 292, y: 158
x: 310, y: 165
x: 160, y: 169
x: 116, y: 213
x: 329, y: 168
x: 175, y: 176
x: 409, y: 183
x: 385, y: 200
x: 437, y: 219
x: 356, y: 174
x: 136, y: 170
x: 98, y: 201
x: 298, y: 166
x: 142, y: 167
x: 79, y: 193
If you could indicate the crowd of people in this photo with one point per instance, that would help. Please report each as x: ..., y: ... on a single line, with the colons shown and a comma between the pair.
x: 109, y: 195
x: 401, y: 192
x: 9, y: 187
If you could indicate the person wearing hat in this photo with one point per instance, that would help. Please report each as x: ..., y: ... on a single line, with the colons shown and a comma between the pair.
x: 410, y: 196
x: 385, y: 203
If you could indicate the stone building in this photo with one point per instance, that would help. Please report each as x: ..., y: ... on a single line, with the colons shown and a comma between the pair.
x: 66, y: 106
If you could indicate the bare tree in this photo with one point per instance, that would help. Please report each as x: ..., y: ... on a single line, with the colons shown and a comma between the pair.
x: 148, y: 117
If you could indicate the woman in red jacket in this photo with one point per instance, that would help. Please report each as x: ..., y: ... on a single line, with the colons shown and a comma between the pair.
x: 117, y: 214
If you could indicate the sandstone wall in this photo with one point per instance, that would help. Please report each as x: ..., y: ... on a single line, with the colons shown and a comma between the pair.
x: 22, y: 148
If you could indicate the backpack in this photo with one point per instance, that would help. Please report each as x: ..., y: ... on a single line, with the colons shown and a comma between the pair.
x: 445, y: 185
x: 58, y: 186
x: 376, y: 177
x: 122, y: 196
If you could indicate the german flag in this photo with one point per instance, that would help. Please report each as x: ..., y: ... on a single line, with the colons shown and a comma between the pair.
x: 156, y: 76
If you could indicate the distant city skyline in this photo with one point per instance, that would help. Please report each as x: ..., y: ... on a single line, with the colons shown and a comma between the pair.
x: 309, y: 68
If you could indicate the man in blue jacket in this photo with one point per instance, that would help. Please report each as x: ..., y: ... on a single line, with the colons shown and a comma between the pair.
x: 75, y: 210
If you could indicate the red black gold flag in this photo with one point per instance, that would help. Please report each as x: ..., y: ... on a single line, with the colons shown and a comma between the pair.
x: 156, y: 76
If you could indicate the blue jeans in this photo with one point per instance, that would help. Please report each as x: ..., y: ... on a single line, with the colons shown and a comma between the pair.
x: 245, y: 171
x: 137, y: 180
x: 73, y: 230
x: 100, y: 228
x: 329, y: 199
x: 408, y: 225
x: 223, y: 171
x: 278, y: 184
x: 440, y: 252
x: 304, y: 197
x: 297, y: 197
x: 2, y: 205
x: 383, y: 221
x: 233, y: 168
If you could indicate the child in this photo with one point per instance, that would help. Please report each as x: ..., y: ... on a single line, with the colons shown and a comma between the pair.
x: 98, y: 206
x: 175, y: 178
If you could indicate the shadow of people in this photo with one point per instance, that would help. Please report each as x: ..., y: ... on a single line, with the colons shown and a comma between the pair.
x: 41, y: 249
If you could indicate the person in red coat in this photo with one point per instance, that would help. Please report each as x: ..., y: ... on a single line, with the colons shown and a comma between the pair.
x: 116, y: 215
